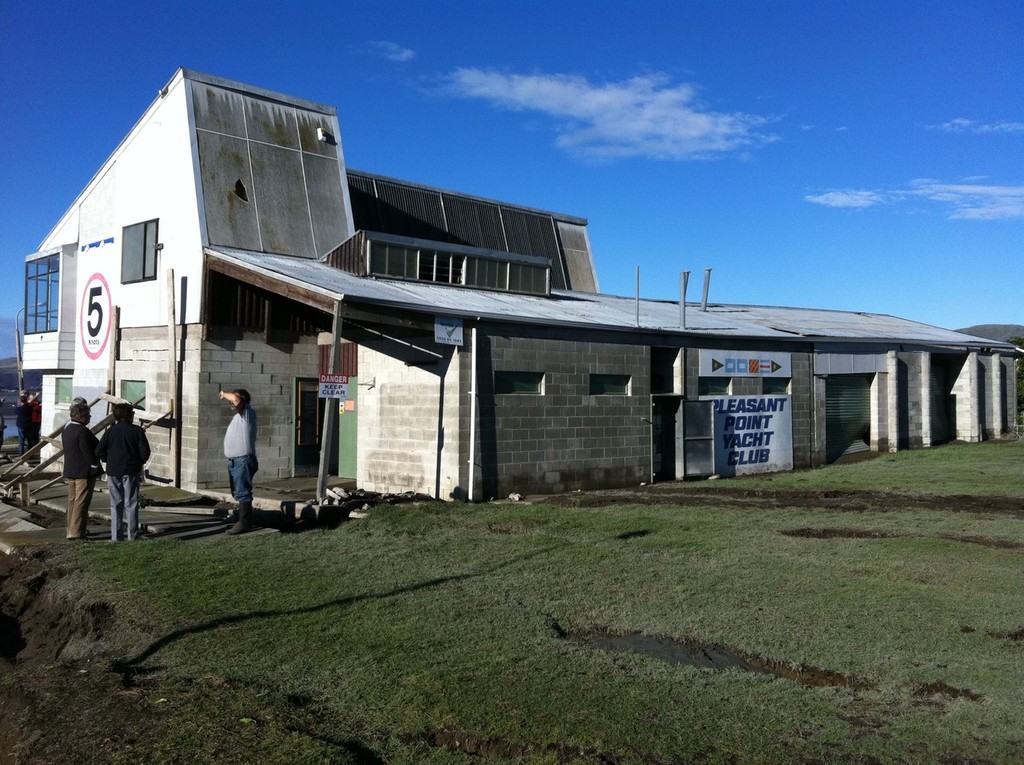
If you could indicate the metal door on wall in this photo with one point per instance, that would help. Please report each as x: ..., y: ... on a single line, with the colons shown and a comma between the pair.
x: 348, y: 430
x: 309, y: 414
x: 699, y: 438
x: 847, y: 415
x: 666, y: 449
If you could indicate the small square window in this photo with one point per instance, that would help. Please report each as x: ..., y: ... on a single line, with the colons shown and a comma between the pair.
x: 714, y: 386
x: 609, y: 385
x: 134, y: 391
x: 523, y: 383
x: 776, y: 385
x: 64, y: 391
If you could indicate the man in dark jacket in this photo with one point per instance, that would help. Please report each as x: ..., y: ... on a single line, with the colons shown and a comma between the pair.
x: 81, y: 467
x: 125, y: 449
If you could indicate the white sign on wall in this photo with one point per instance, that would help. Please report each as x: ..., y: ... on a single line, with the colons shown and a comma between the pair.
x: 753, y: 434
x: 95, y: 317
x: 447, y: 331
x: 744, y: 364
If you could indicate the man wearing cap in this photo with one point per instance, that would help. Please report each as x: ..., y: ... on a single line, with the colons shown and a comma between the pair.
x: 81, y: 468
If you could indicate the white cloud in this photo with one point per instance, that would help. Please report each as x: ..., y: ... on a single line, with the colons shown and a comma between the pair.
x: 639, y: 117
x: 392, y: 51
x: 963, y: 125
x: 846, y: 198
x: 964, y: 200
x: 973, y: 201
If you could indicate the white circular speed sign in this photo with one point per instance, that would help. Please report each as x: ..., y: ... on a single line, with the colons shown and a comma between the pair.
x: 95, y: 316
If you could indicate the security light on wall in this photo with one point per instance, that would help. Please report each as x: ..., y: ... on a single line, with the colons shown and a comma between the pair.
x: 324, y: 136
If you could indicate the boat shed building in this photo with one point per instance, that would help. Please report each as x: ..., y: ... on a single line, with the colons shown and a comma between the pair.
x: 466, y: 345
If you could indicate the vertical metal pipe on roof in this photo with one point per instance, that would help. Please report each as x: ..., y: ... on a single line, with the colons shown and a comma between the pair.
x: 472, y: 415
x: 638, y: 296
x: 684, y: 280
x: 707, y: 284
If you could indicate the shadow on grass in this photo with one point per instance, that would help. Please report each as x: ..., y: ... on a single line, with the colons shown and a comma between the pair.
x: 131, y: 665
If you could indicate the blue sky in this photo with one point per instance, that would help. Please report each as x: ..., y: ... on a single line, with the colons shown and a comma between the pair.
x: 858, y: 155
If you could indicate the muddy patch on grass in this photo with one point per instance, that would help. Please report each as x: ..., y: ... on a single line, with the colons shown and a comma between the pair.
x: 837, y: 534
x: 1015, y: 635
x: 847, y: 533
x: 713, y: 656
x: 693, y: 495
x: 503, y: 748
x: 998, y: 544
x: 940, y: 688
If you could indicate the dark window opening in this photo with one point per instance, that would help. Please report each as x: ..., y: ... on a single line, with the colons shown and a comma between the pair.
x: 521, y: 383
x: 609, y: 385
x: 235, y: 306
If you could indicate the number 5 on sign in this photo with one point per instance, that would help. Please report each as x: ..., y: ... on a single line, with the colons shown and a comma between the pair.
x: 94, y: 316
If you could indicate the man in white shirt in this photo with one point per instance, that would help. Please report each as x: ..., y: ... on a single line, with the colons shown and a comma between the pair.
x: 240, y: 450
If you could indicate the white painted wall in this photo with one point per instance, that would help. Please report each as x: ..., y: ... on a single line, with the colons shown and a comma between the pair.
x: 149, y: 176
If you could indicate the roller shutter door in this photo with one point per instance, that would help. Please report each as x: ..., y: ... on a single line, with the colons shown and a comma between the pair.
x: 847, y: 415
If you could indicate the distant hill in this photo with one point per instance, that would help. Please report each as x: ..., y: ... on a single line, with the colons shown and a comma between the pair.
x: 1001, y: 332
x: 9, y: 375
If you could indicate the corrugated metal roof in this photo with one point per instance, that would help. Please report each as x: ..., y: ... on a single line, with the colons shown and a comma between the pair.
x: 596, y: 311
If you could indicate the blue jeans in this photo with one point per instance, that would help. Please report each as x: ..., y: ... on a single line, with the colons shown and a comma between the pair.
x: 240, y: 473
x: 124, y: 505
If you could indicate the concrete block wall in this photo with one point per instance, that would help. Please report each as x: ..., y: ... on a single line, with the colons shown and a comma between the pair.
x: 878, y: 437
x: 968, y: 409
x: 912, y: 392
x: 409, y: 420
x: 564, y: 439
x: 892, y: 401
x: 1010, y: 391
x: 818, y: 397
x: 991, y: 386
x: 269, y: 373
x: 802, y: 389
x: 142, y: 357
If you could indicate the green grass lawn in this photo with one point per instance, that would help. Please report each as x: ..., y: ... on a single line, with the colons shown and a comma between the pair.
x: 456, y: 633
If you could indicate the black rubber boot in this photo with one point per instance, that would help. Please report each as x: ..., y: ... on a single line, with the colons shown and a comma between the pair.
x: 244, y: 523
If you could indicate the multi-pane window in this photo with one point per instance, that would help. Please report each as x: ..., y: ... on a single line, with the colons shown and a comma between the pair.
x: 134, y: 391
x: 609, y: 385
x: 393, y: 260
x: 487, y: 273
x: 432, y: 265
x: 42, y: 294
x: 532, y: 280
x: 442, y: 267
x: 139, y: 247
x: 523, y: 383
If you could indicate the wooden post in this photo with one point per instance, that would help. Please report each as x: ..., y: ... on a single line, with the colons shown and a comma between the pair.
x: 331, y: 407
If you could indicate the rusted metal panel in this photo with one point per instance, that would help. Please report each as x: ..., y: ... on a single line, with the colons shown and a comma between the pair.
x: 350, y: 255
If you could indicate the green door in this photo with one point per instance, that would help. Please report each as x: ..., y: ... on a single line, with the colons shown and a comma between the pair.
x: 348, y: 430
